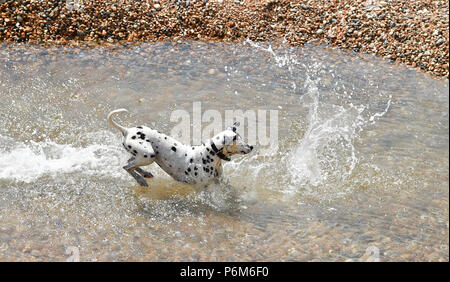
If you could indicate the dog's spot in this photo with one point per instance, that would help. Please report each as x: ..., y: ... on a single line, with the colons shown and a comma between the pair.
x: 129, y: 146
x: 152, y: 155
x: 191, y: 160
x: 234, y: 129
x: 195, y: 174
x: 186, y: 173
x: 195, y: 168
x: 189, y: 169
x: 174, y: 149
x: 204, y: 161
x: 142, y: 137
x: 140, y: 143
x: 174, y: 144
x: 217, y: 137
x: 156, y: 147
x: 165, y: 137
x: 134, y: 151
x: 147, y: 140
x: 207, y: 169
x: 145, y: 156
x: 193, y: 148
x: 234, y: 138
x: 185, y: 155
x: 133, y: 137
x: 140, y: 127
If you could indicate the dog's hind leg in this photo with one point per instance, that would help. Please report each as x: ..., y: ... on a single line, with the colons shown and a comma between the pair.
x: 143, y: 154
x: 130, y: 168
x: 144, y: 173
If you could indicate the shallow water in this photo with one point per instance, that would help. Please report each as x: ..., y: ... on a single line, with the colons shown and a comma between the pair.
x: 361, y: 172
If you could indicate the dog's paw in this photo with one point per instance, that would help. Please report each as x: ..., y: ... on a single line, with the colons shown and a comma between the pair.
x: 147, y: 175
x: 142, y: 182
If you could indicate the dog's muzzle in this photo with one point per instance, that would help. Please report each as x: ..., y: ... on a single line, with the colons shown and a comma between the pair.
x: 248, y: 149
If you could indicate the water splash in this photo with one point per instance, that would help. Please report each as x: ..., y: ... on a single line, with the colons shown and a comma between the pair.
x: 28, y: 161
x: 325, y: 156
x: 326, y: 150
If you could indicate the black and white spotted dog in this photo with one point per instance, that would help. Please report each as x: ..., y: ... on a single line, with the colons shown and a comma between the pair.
x: 189, y: 164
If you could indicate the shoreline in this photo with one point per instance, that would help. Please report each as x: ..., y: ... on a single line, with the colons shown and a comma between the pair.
x: 414, y: 33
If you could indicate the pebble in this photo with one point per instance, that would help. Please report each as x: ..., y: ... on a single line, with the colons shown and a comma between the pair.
x: 439, y: 41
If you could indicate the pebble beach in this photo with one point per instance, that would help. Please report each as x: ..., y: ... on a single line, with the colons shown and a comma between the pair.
x: 412, y: 33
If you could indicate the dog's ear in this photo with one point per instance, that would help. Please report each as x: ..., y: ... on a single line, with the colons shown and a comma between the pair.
x: 234, y: 127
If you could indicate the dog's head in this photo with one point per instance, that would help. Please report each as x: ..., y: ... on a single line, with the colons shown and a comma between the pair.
x: 233, y: 142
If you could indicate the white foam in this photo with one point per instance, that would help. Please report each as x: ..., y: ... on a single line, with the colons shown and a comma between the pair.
x: 31, y: 160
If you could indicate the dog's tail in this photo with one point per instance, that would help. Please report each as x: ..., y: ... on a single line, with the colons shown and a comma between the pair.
x: 116, y: 125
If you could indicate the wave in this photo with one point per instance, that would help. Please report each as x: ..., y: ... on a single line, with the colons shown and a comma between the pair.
x: 28, y: 161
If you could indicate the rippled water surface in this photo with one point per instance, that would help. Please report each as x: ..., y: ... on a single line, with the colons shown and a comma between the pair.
x: 361, y: 172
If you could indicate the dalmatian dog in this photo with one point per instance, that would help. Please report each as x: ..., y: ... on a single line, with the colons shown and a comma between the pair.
x: 189, y: 164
